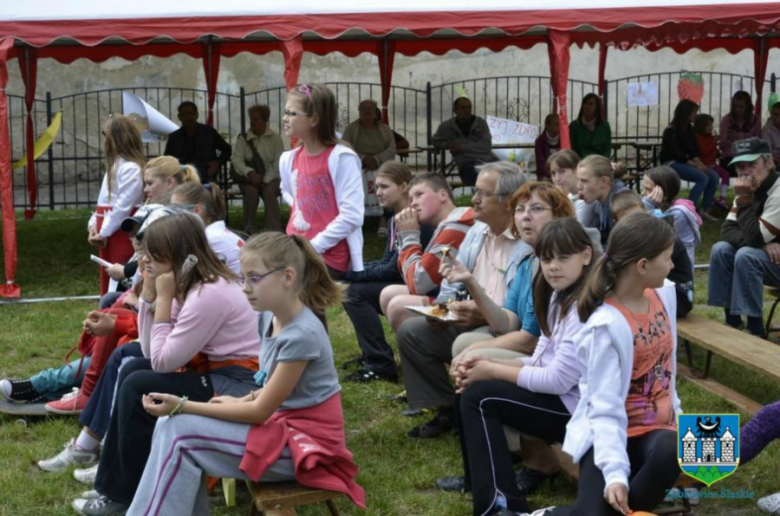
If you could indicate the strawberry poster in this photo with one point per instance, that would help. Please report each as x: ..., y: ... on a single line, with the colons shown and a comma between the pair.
x: 691, y: 87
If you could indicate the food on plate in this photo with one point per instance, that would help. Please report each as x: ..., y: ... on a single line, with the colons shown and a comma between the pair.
x: 439, y: 310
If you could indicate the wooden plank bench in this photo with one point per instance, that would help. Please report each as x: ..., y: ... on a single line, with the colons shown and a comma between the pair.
x: 741, y: 348
x: 775, y: 293
x: 281, y: 498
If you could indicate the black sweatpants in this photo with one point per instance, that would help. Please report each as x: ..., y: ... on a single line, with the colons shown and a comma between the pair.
x: 654, y: 470
x: 129, y: 438
x: 362, y: 307
x: 483, y: 410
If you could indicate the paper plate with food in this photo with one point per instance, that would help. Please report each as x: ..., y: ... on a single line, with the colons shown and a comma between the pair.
x: 438, y: 311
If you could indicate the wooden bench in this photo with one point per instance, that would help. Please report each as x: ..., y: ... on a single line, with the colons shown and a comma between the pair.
x: 281, y: 498
x: 775, y: 293
x: 746, y: 350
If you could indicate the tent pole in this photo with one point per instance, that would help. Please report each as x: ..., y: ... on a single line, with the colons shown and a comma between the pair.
x: 9, y: 289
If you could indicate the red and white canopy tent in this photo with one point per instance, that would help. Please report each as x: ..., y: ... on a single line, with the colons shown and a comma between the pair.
x: 66, y: 31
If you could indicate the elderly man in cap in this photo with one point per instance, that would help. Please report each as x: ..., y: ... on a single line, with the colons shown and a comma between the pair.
x: 748, y: 255
x: 468, y: 139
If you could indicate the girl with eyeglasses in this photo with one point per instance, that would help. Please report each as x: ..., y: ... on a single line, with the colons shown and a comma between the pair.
x: 291, y: 426
x: 322, y: 180
x: 198, y: 336
x: 120, y: 193
x: 209, y: 204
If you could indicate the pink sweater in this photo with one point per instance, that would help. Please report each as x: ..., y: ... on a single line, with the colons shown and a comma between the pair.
x: 553, y: 368
x: 215, y: 319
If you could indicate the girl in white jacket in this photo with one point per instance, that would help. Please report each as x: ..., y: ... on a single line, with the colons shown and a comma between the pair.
x: 120, y: 194
x: 623, y: 431
x: 322, y: 180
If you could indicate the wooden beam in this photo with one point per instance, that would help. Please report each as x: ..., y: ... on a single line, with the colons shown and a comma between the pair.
x: 740, y: 401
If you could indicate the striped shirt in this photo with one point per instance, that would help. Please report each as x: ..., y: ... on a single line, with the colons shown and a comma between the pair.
x: 421, y: 267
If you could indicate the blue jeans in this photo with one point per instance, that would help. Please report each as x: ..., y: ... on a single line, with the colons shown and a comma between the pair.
x: 707, y: 183
x: 55, y: 383
x: 738, y: 276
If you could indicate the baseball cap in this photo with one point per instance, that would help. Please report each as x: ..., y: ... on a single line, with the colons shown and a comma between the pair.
x: 130, y: 223
x: 749, y: 149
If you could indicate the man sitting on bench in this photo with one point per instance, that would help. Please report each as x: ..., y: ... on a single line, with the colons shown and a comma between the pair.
x: 748, y: 256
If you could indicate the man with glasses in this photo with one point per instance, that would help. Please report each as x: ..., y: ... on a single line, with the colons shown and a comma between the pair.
x: 491, y: 253
x: 748, y: 256
x: 468, y: 139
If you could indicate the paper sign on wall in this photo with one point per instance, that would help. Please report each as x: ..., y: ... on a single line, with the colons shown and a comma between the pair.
x: 642, y: 94
x: 153, y: 125
x: 503, y: 131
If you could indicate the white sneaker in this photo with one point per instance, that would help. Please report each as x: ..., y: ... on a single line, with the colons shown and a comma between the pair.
x: 770, y: 504
x: 86, y: 476
x: 89, y: 495
x: 6, y: 389
x: 538, y: 512
x: 72, y: 454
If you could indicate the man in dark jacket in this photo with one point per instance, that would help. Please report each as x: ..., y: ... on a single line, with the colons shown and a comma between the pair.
x: 748, y: 256
x: 197, y: 144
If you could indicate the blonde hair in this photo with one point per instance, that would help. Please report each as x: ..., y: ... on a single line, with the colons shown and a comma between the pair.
x: 209, y: 196
x: 603, y: 167
x: 168, y: 166
x: 316, y: 288
x: 396, y: 172
x: 122, y: 140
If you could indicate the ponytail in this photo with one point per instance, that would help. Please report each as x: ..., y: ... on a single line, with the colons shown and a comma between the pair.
x: 316, y: 288
x: 636, y: 237
x: 168, y: 166
x: 208, y: 196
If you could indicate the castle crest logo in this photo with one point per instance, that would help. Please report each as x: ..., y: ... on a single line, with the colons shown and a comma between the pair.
x: 708, y: 445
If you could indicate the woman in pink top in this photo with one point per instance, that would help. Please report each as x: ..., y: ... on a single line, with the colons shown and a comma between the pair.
x: 740, y: 123
x: 198, y: 335
x: 536, y: 395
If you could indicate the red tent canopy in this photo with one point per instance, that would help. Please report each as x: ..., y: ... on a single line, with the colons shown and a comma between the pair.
x: 66, y: 31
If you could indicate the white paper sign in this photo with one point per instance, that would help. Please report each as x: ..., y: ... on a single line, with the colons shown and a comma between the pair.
x: 503, y: 131
x: 642, y: 94
x: 154, y: 126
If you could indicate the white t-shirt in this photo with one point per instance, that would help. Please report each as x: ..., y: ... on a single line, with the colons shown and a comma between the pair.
x: 225, y: 244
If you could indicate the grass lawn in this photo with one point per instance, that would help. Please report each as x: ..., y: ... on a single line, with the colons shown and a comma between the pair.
x: 397, y: 472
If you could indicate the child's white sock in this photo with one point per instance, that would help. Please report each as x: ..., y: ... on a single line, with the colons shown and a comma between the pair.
x: 724, y: 191
x: 86, y: 441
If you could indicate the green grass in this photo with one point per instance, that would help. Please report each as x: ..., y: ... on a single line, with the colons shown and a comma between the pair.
x: 397, y: 472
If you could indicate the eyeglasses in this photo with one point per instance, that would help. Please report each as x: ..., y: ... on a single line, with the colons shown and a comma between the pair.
x: 534, y: 210
x: 185, y: 207
x: 483, y: 194
x: 256, y: 279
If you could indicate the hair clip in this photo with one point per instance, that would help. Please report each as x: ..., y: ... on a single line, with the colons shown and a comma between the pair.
x: 183, y: 168
x: 606, y: 257
x: 207, y: 186
x: 189, y: 263
x: 305, y: 89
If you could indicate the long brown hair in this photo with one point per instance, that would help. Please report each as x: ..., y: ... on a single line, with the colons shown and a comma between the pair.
x: 564, y: 158
x: 316, y: 288
x: 638, y: 236
x: 122, y: 140
x: 564, y: 236
x: 209, y: 197
x: 317, y: 99
x: 396, y: 172
x: 173, y: 238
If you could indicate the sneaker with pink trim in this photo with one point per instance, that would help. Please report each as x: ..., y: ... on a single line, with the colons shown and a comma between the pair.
x: 72, y: 403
